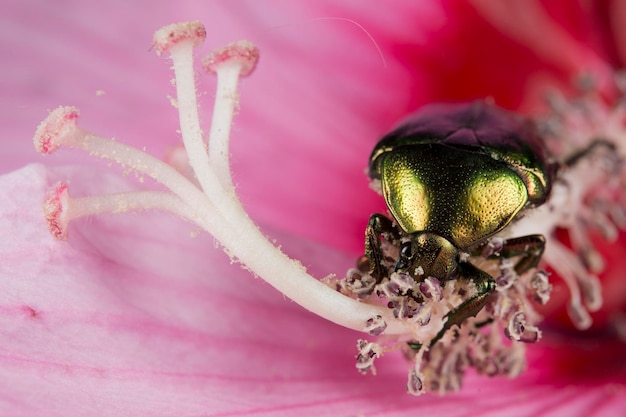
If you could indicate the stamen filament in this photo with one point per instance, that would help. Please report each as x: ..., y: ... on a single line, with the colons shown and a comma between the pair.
x: 290, y: 277
x: 60, y: 208
x: 229, y: 64
x: 236, y: 232
x: 70, y: 135
x: 182, y: 59
x: 221, y: 194
x: 567, y: 266
x: 181, y: 53
x: 226, y: 98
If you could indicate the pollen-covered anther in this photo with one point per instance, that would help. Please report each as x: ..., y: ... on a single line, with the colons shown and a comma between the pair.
x: 403, y: 281
x: 540, y: 287
x: 422, y: 314
x: 390, y: 289
x: 357, y: 283
x: 415, y: 384
x: 521, y: 331
x: 367, y: 353
x: 406, y: 308
x: 431, y: 288
x: 507, y: 275
x: 55, y: 209
x: 375, y: 325
x: 242, y: 54
x: 175, y: 34
x: 493, y: 247
x: 54, y: 131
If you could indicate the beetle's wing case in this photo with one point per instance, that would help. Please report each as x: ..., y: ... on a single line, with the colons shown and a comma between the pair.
x: 482, y: 128
x: 462, y: 196
x: 463, y: 171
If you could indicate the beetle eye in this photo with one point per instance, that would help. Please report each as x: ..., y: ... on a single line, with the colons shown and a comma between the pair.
x: 406, y: 252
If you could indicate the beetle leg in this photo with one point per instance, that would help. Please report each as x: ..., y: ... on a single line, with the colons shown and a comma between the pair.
x: 598, y: 143
x: 530, y: 248
x: 378, y: 225
x: 485, y: 286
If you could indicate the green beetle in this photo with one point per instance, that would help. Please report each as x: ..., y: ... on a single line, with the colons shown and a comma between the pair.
x: 453, y: 176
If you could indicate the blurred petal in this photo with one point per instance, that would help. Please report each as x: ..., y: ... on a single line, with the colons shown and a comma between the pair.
x: 531, y: 27
x: 617, y: 16
x: 128, y: 318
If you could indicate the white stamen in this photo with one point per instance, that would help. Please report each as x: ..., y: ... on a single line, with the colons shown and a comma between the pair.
x: 229, y: 63
x: 181, y: 54
x: 217, y: 210
x: 60, y: 208
x: 568, y: 267
x: 48, y: 138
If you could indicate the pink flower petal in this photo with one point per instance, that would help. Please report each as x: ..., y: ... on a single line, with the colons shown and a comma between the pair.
x: 616, y: 15
x: 128, y: 318
x: 533, y: 24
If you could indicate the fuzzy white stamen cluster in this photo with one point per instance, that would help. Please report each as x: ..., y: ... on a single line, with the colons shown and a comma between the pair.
x: 423, y: 303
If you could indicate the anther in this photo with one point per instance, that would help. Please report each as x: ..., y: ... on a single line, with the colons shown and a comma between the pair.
x: 403, y: 282
x: 592, y: 258
x: 592, y: 292
x: 367, y: 353
x: 507, y: 275
x: 357, y: 283
x: 519, y: 330
x: 431, y: 288
x: 421, y: 314
x: 390, y: 289
x: 540, y: 287
x: 375, y: 326
x: 415, y: 384
x: 493, y: 247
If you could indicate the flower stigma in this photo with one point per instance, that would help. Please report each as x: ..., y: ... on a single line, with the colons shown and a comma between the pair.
x: 403, y: 312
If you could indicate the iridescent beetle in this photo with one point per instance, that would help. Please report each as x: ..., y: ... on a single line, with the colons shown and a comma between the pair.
x: 452, y: 177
